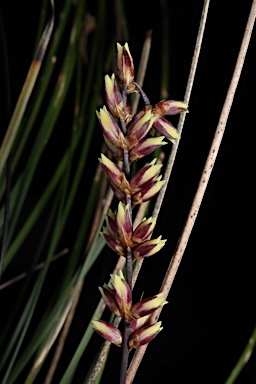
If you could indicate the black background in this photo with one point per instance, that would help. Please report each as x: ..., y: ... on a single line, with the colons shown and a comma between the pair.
x: 211, y: 311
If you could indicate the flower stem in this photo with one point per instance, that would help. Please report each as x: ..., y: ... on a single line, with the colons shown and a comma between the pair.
x: 143, y: 94
x: 126, y: 333
x: 125, y: 352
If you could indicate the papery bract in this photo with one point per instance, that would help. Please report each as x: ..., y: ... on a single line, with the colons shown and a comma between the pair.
x: 165, y: 128
x: 148, y: 305
x: 115, y: 175
x: 108, y: 331
x: 147, y: 192
x: 115, y: 101
x: 138, y: 129
x: 125, y: 66
x: 145, y: 175
x: 148, y: 248
x: 143, y: 230
x: 145, y: 147
x: 123, y: 294
x: 170, y: 107
x: 110, y: 128
x: 144, y: 335
x: 124, y: 224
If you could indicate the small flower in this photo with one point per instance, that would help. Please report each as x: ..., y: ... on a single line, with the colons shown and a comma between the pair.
x: 117, y: 152
x: 115, y: 101
x: 125, y: 66
x: 118, y: 233
x: 145, y: 147
x: 115, y: 175
x: 143, y: 230
x: 118, y: 296
x: 139, y: 323
x: 148, y: 248
x: 110, y: 128
x: 108, y: 331
x: 124, y: 224
x: 170, y: 107
x: 123, y: 294
x: 148, y: 192
x: 110, y: 300
x: 144, y: 335
x: 112, y: 242
x: 139, y: 127
x: 145, y: 175
x: 147, y: 306
x: 164, y: 127
x: 111, y: 223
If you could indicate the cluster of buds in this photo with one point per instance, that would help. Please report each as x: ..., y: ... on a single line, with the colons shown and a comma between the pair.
x: 119, y: 234
x: 130, y: 138
x: 118, y: 297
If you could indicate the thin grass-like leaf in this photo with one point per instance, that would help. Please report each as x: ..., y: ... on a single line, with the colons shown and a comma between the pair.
x: 25, y: 93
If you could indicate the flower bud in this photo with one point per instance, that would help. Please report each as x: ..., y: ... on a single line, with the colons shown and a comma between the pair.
x: 139, y: 323
x: 147, y: 192
x: 110, y: 300
x: 148, y: 248
x: 144, y: 335
x: 107, y: 331
x: 111, y: 223
x: 115, y: 175
x: 143, y: 230
x: 124, y: 224
x: 115, y: 101
x: 112, y: 242
x: 165, y: 128
x: 147, y: 306
x: 145, y: 147
x: 110, y: 128
x: 138, y: 128
x: 170, y: 107
x: 125, y: 65
x: 145, y: 175
x: 118, y: 296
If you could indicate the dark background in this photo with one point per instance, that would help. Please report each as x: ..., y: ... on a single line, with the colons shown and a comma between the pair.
x: 211, y: 311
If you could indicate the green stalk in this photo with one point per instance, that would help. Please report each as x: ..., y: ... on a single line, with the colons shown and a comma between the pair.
x: 242, y: 361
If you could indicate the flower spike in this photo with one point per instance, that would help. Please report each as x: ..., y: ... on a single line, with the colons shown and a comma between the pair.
x: 130, y: 138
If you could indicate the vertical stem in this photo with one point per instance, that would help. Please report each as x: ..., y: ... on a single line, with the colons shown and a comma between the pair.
x: 125, y: 352
x: 127, y: 171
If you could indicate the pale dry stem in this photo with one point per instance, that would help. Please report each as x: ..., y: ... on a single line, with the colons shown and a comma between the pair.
x: 174, y: 150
